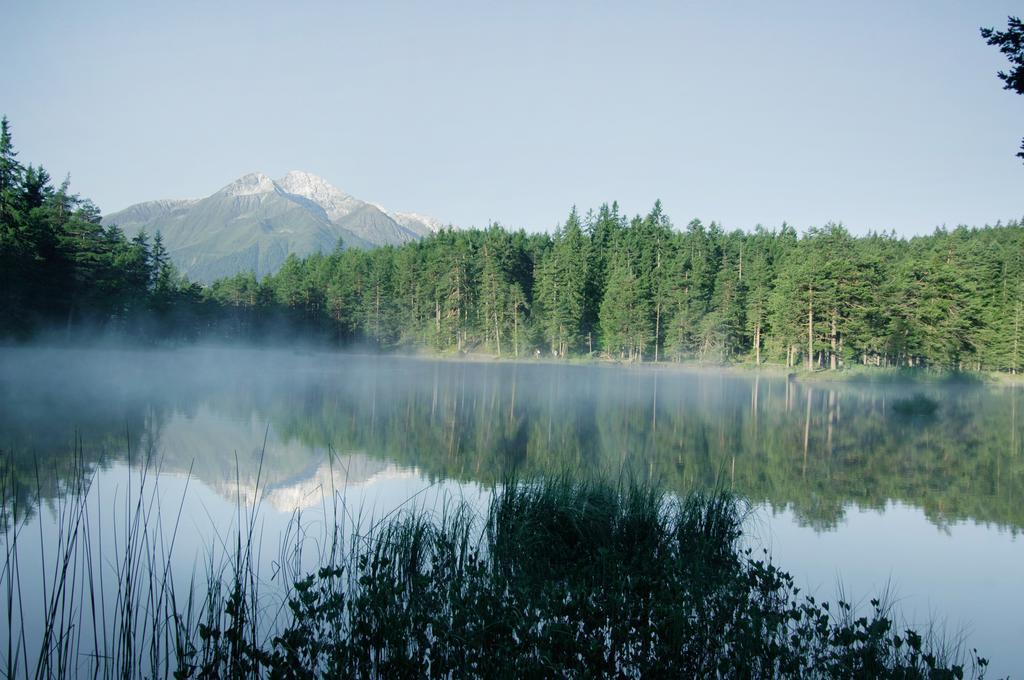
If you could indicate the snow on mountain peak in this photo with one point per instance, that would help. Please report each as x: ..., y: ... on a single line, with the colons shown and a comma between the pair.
x: 422, y: 225
x: 431, y: 223
x: 335, y: 202
x: 309, y: 185
x: 247, y: 185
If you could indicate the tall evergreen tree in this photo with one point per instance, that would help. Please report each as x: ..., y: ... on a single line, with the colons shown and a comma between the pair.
x: 561, y: 286
x: 1011, y: 44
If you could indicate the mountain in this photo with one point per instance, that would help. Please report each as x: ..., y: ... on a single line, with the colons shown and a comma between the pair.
x: 255, y: 222
x: 414, y: 222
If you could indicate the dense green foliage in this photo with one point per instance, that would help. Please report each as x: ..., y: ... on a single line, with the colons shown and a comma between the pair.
x: 571, y: 579
x: 59, y: 267
x: 638, y: 289
x: 632, y: 289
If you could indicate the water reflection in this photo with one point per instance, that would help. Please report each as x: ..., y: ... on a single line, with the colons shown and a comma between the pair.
x: 814, y: 449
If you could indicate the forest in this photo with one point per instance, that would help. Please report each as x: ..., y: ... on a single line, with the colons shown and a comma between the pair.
x: 603, y: 284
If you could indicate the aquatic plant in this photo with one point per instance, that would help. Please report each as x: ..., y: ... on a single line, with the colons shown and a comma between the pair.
x: 557, y: 577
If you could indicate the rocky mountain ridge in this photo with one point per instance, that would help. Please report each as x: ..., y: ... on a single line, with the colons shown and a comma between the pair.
x: 255, y: 222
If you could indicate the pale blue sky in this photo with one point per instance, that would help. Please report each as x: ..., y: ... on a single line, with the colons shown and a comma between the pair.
x: 877, y: 114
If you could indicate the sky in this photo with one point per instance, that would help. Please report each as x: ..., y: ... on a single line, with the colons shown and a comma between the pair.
x: 880, y: 115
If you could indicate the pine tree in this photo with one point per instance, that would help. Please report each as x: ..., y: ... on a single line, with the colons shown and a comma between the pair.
x: 602, y: 233
x: 11, y: 247
x: 759, y: 274
x: 561, y: 286
x: 696, y: 268
x: 11, y: 178
x: 724, y: 325
x: 656, y: 236
x: 494, y: 308
x: 625, y: 311
x: 1011, y: 44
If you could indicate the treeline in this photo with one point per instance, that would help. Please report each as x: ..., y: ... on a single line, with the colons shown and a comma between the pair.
x: 638, y: 289
x: 60, y: 268
x: 603, y: 284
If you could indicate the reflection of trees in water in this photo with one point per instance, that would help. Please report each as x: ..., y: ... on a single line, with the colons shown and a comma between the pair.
x: 816, y: 448
x: 49, y: 442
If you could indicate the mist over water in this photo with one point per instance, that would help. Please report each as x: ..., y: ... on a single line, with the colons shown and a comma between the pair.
x: 848, y: 484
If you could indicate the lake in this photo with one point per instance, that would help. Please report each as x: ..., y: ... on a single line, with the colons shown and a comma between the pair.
x: 853, y: 489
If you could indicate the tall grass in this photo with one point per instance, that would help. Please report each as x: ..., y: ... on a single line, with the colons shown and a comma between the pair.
x: 556, y: 577
x: 96, y: 615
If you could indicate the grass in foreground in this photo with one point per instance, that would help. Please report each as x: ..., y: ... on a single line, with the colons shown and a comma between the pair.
x: 558, y: 578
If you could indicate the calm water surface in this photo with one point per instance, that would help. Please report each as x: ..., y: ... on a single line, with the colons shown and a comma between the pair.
x: 849, y: 492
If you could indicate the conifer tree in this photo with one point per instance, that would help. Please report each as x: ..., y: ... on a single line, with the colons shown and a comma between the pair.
x: 561, y: 285
x: 1011, y: 44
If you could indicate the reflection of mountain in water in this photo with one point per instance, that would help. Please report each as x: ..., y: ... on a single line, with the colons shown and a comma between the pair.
x: 348, y: 471
x: 234, y: 454
x: 815, y: 448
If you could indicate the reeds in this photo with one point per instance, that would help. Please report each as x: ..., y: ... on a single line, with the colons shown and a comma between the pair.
x: 557, y: 577
x: 92, y: 614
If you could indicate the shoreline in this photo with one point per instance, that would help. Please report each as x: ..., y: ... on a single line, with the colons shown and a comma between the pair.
x: 858, y: 374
